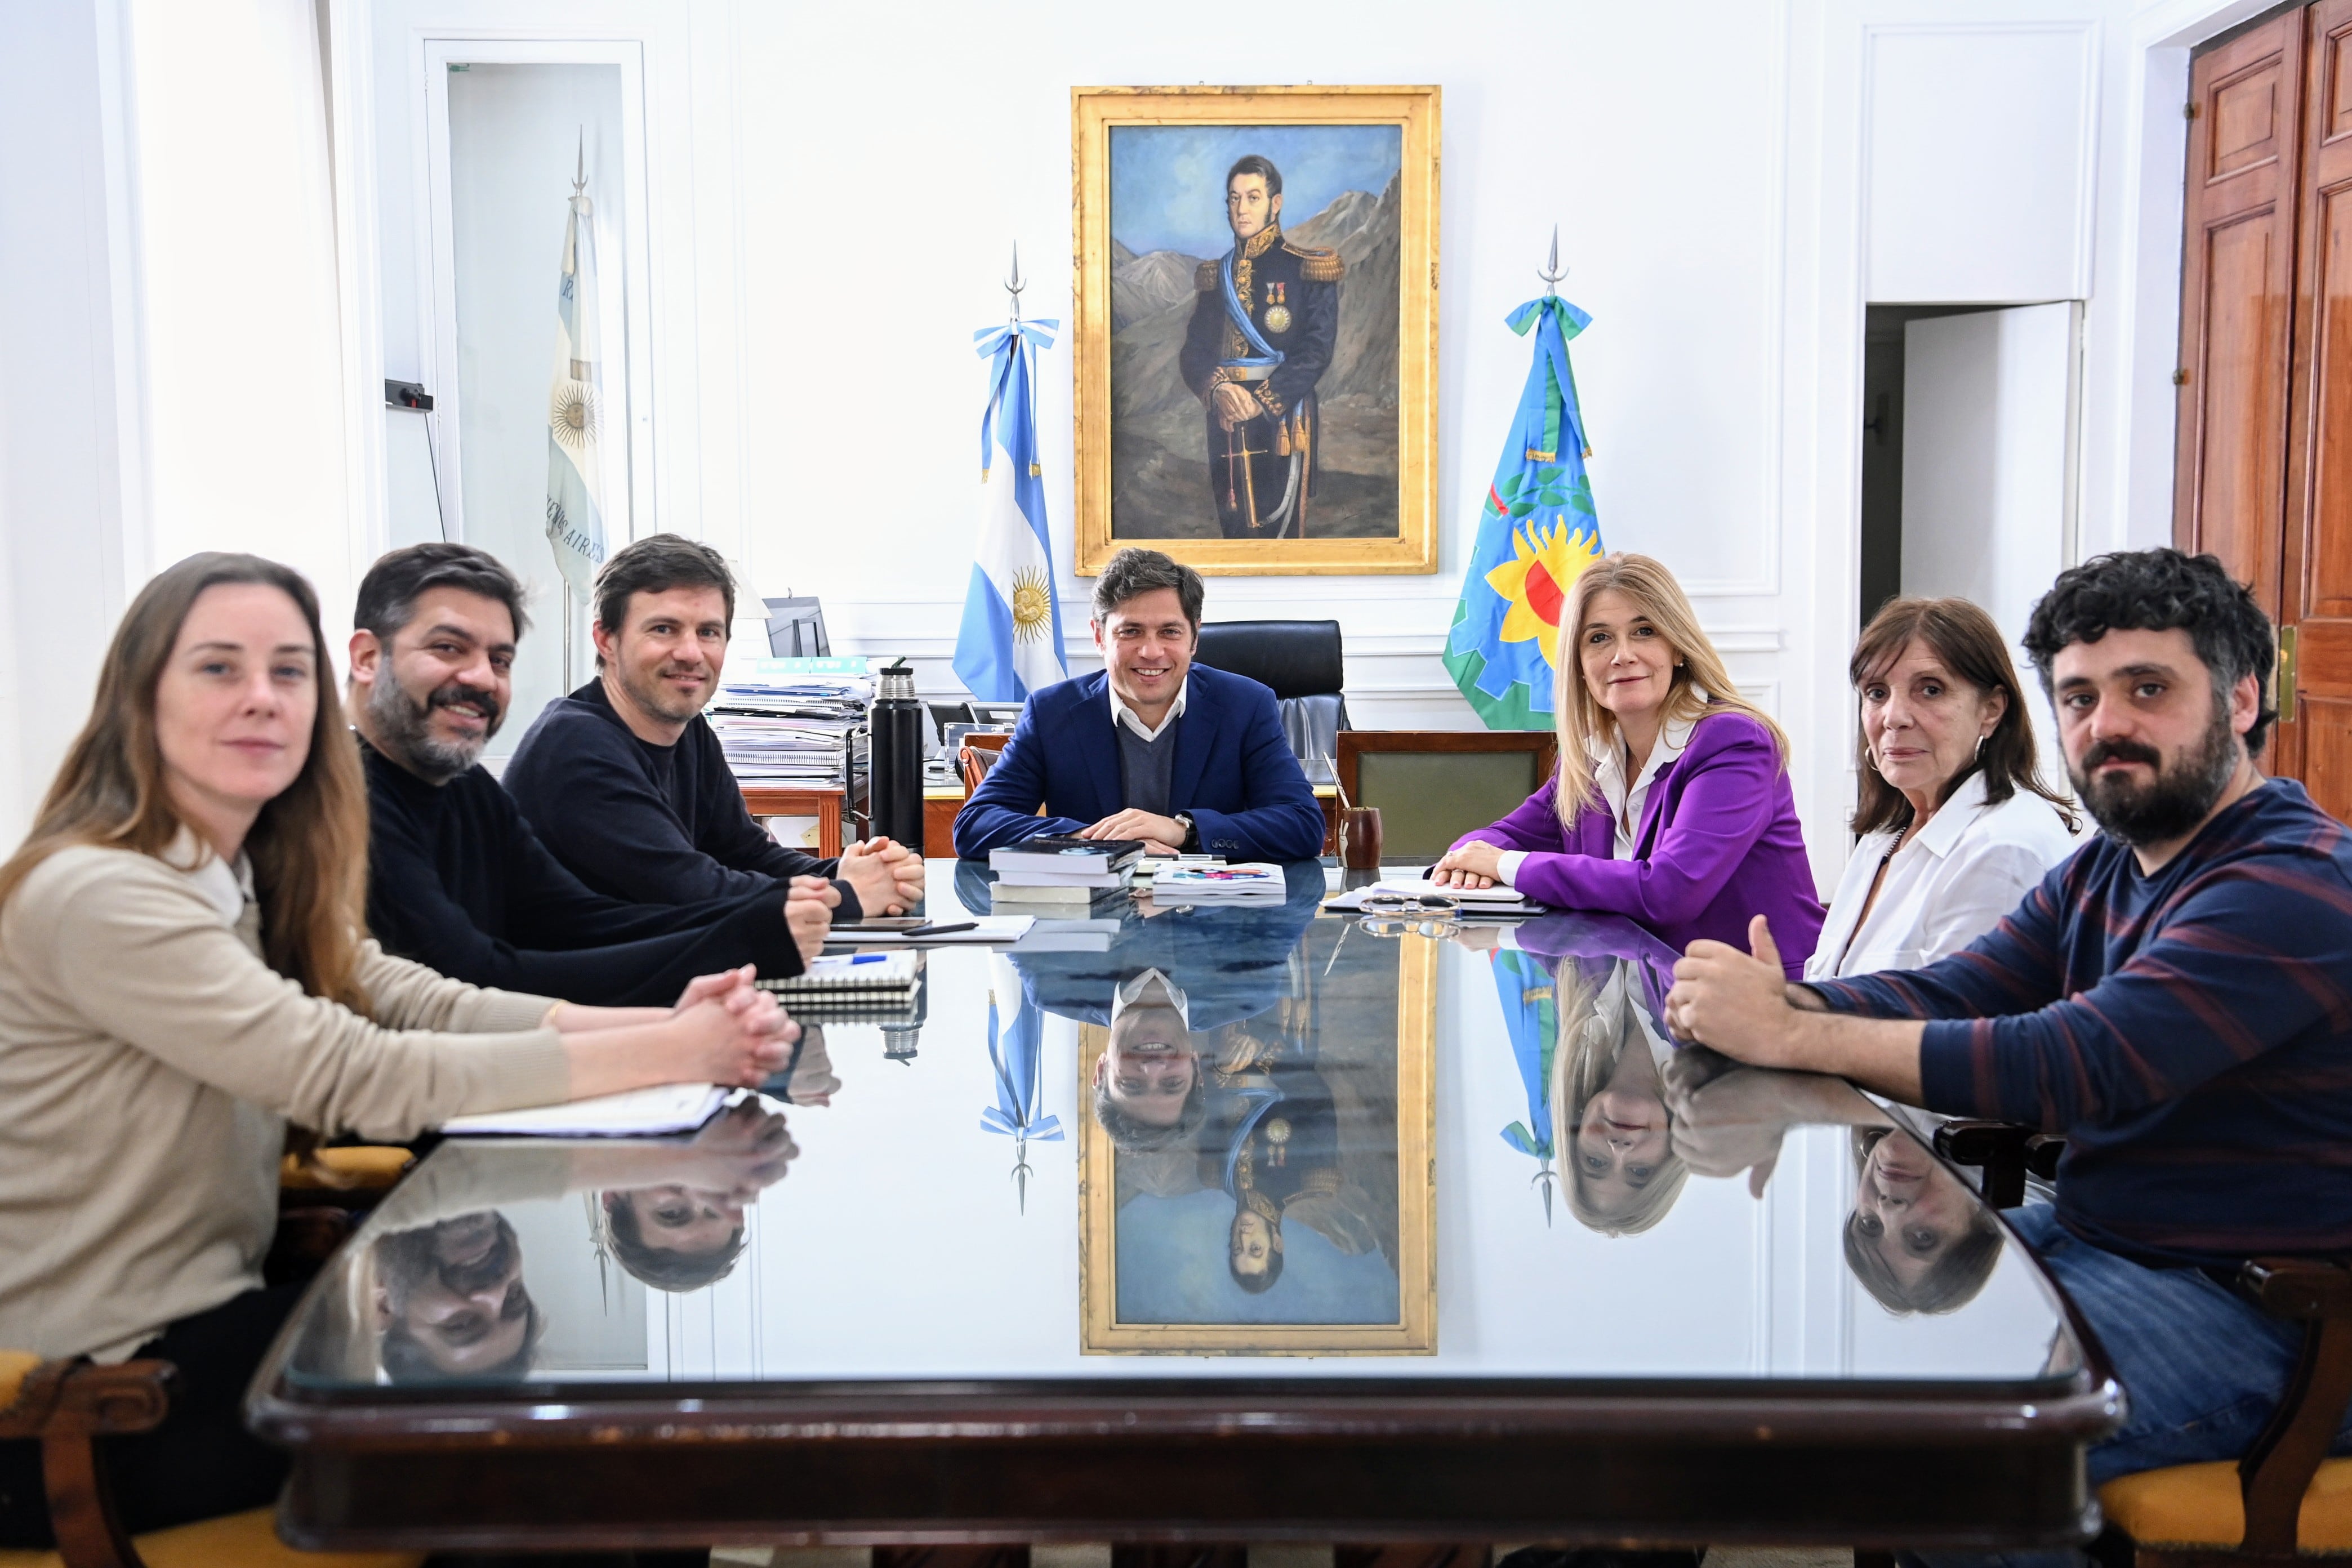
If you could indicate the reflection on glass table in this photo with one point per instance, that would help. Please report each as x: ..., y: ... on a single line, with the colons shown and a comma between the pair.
x: 1226, y: 1134
x: 1242, y: 1170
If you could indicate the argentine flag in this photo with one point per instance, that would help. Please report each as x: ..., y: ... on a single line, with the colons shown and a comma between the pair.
x: 1010, y: 641
x: 575, y: 411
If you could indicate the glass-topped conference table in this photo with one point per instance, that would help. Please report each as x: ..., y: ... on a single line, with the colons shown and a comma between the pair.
x: 1206, y: 1225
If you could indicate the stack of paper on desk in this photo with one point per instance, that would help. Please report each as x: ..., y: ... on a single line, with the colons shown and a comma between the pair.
x: 636, y: 1113
x: 1495, y: 901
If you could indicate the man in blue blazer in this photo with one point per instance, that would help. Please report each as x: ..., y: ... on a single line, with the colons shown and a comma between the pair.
x: 1190, y: 760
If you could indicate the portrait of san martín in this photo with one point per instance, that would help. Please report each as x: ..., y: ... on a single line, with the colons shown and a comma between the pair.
x: 1260, y: 296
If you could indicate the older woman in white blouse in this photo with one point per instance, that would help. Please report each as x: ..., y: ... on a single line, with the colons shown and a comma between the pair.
x: 1955, y: 825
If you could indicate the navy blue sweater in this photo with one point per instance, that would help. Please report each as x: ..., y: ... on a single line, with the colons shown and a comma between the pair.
x: 2190, y: 1032
x: 655, y: 825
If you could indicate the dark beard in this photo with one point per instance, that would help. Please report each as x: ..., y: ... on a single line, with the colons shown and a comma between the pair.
x: 2174, y: 802
x: 401, y: 725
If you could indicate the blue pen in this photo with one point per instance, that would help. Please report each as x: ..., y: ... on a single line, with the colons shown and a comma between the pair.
x: 868, y: 957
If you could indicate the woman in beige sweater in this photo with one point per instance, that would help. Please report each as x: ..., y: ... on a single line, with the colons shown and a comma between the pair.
x: 183, y: 972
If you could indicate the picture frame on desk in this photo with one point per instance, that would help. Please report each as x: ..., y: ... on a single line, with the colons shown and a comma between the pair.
x: 1312, y: 449
x: 1157, y: 1223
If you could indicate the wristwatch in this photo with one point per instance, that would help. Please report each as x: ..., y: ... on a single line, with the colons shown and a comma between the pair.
x: 1192, y: 843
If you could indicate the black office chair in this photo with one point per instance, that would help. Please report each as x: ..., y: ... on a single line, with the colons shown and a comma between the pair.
x: 796, y: 629
x: 1302, y: 661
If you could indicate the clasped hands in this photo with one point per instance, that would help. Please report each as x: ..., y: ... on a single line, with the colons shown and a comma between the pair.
x: 886, y: 875
x: 1161, y: 835
x: 728, y: 1025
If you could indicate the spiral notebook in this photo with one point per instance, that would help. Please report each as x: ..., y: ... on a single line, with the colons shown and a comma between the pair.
x: 851, y: 974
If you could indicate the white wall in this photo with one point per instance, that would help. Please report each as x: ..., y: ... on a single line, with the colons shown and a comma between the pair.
x: 69, y: 436
x: 831, y: 202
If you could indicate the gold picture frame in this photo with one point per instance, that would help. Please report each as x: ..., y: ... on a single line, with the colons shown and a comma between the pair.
x: 1414, y: 1332
x: 1148, y: 465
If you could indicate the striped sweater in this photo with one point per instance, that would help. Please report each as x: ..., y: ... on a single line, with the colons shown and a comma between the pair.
x: 2190, y: 1032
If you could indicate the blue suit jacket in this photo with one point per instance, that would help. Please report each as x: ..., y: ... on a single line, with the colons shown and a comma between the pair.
x: 1233, y: 771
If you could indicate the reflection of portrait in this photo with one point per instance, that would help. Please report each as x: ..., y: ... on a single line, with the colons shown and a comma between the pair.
x: 450, y: 1303
x: 1918, y: 1239
x: 1243, y: 1174
x: 1256, y: 326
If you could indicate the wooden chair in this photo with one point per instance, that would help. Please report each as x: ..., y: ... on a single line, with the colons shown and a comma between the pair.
x: 980, y: 753
x: 1432, y: 786
x: 67, y: 1406
x: 2284, y: 1502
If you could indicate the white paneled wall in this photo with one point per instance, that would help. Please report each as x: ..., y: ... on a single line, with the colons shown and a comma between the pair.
x: 830, y: 204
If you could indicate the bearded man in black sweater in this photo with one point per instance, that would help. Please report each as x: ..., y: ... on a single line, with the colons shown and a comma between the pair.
x: 457, y: 878
x: 624, y: 780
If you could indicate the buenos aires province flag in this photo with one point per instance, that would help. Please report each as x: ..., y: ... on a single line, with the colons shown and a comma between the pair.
x: 1010, y: 641
x: 575, y: 412
x: 1537, y: 532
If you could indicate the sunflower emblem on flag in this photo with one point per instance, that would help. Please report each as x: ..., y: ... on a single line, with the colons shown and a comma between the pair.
x: 1033, y: 604
x: 1534, y: 581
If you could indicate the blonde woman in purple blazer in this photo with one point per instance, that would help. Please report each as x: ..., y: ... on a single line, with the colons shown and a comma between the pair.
x: 1672, y: 804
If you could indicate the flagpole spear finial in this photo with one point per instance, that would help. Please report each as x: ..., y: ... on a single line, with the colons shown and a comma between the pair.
x: 1014, y: 282
x: 579, y: 170
x: 1551, y: 272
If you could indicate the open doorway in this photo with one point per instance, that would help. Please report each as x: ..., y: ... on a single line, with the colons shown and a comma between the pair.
x: 1969, y: 450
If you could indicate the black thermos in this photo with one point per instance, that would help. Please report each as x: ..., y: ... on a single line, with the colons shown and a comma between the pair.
x: 895, y: 781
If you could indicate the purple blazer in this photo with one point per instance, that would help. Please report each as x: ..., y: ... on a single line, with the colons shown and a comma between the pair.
x: 1719, y: 843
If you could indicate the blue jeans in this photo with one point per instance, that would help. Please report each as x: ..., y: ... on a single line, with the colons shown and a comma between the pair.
x: 2201, y: 1366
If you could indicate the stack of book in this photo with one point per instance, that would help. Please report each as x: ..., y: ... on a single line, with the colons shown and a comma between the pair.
x: 787, y: 722
x: 1250, y: 882
x: 1061, y: 873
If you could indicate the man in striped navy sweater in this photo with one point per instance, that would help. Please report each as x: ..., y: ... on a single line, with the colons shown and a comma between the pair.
x: 2176, y: 999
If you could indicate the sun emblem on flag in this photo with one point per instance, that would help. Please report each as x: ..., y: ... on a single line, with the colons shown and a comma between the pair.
x: 1033, y: 603
x: 1535, y: 581
x: 571, y: 415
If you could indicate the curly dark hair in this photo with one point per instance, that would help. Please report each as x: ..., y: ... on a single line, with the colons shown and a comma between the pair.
x: 2157, y: 591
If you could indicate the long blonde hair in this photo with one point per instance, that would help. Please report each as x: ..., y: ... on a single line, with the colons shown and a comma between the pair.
x: 1701, y: 685
x: 309, y: 845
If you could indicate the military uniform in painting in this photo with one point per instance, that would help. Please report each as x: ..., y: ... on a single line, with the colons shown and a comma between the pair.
x: 1262, y: 472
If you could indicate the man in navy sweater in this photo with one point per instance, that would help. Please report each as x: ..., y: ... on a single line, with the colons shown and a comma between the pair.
x: 2176, y: 999
x: 624, y: 780
x: 1157, y: 748
x: 457, y: 880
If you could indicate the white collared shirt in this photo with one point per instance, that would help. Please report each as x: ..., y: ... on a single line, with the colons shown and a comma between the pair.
x: 1121, y: 713
x: 1971, y: 865
x: 228, y: 889
x: 1625, y: 806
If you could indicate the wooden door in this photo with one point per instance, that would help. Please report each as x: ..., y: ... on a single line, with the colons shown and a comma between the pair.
x: 2236, y: 301
x: 2316, y: 609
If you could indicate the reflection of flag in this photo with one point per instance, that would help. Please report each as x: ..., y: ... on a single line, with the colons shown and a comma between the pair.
x: 1530, y: 1015
x: 1014, y: 1050
x: 1537, y: 532
x: 576, y: 477
x: 1010, y: 641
